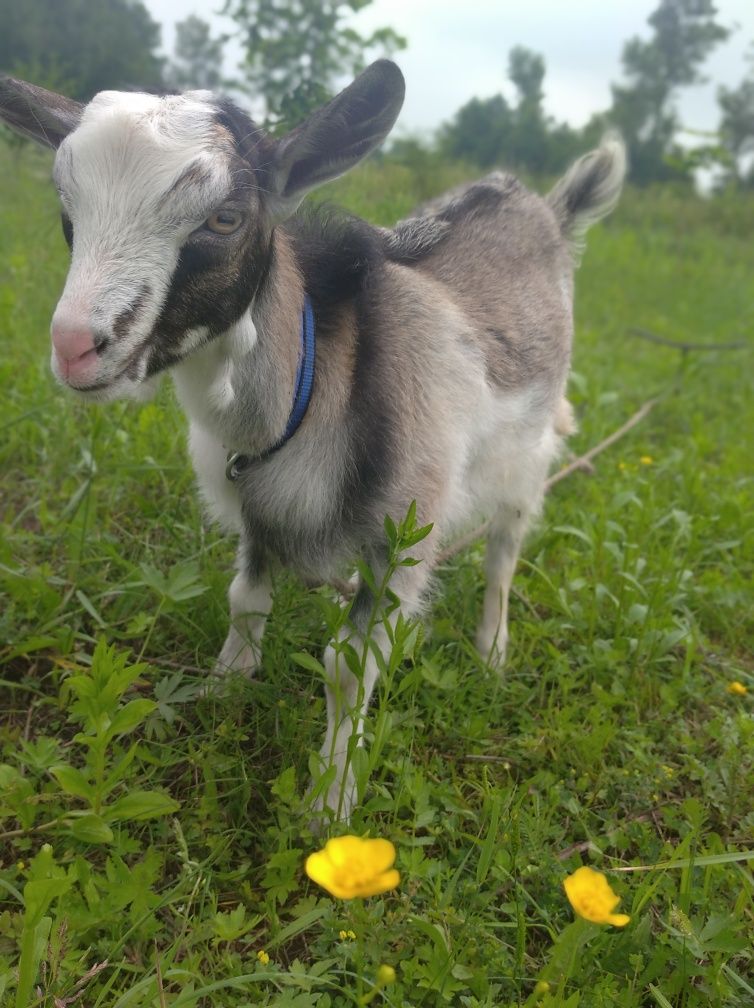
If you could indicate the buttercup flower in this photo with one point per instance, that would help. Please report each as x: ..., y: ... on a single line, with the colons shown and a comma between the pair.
x: 349, y: 866
x: 385, y: 975
x: 590, y: 895
x: 737, y: 688
x: 646, y: 460
x: 263, y: 957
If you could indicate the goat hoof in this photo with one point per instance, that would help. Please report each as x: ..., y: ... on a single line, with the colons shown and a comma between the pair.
x: 236, y: 656
x: 492, y: 649
x: 335, y: 805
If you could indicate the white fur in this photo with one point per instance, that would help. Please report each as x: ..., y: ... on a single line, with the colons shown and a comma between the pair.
x: 127, y: 235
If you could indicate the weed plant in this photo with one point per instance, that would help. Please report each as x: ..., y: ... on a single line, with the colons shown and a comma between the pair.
x: 152, y: 837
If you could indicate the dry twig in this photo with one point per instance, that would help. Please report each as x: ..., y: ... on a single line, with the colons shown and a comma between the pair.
x: 682, y: 345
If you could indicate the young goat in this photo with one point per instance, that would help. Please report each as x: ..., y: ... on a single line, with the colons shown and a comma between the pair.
x: 331, y: 372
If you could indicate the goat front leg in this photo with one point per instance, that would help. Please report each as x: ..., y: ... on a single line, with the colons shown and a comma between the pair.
x: 250, y: 599
x: 503, y: 546
x: 348, y: 696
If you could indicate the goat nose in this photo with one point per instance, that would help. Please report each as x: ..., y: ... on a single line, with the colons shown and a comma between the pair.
x: 72, y: 344
x: 76, y: 349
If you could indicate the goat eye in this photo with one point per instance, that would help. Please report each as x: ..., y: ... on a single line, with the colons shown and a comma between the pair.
x: 224, y: 222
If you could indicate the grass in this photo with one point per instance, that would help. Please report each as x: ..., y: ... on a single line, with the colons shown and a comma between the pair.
x: 177, y: 824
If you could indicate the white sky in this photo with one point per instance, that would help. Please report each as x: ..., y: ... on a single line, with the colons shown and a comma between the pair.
x: 458, y: 50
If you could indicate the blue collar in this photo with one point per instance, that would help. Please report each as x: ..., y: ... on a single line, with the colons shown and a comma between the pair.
x: 237, y: 462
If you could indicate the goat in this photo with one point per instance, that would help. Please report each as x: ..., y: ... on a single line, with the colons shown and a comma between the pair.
x: 427, y: 363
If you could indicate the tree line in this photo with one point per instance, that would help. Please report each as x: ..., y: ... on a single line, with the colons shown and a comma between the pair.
x: 297, y: 55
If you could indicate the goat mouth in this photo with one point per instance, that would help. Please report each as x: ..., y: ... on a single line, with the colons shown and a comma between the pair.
x: 128, y: 371
x: 100, y: 386
x: 96, y: 387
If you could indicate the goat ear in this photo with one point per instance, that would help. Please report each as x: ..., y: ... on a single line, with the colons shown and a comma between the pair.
x: 338, y: 135
x: 36, y: 113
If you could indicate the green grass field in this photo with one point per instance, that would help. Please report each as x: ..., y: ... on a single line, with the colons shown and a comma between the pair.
x: 152, y: 839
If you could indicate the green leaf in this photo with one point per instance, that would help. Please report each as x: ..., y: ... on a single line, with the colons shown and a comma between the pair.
x: 73, y: 782
x: 118, y: 770
x: 31, y: 644
x: 302, y: 923
x: 140, y: 805
x: 181, y: 583
x: 91, y: 829
x: 697, y: 862
x: 89, y: 606
x: 130, y: 716
x: 432, y: 931
x: 367, y: 576
x: 309, y: 662
x: 229, y: 926
x: 412, y: 538
x: 490, y: 843
x: 659, y: 997
x: 38, y: 895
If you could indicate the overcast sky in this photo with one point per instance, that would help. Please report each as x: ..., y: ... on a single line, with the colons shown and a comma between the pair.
x: 460, y: 49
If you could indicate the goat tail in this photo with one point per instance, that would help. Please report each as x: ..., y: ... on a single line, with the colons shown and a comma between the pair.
x: 589, y: 190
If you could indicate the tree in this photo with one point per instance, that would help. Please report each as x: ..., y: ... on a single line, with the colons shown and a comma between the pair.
x: 490, y: 131
x: 198, y: 58
x: 479, y: 132
x: 296, y: 51
x: 529, y: 141
x: 737, y: 125
x: 80, y: 46
x: 685, y: 32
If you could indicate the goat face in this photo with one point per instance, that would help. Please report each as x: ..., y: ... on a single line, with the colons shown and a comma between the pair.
x: 169, y: 203
x: 168, y: 238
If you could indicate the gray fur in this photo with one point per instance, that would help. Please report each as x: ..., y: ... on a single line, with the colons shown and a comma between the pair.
x: 589, y: 190
x: 443, y: 346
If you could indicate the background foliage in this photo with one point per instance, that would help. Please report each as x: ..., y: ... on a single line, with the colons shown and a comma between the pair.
x: 79, y: 47
x: 298, y: 54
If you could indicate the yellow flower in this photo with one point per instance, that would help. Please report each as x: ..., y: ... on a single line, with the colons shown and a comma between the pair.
x: 263, y: 957
x: 646, y: 460
x: 737, y: 688
x: 349, y: 866
x: 385, y: 976
x: 590, y: 895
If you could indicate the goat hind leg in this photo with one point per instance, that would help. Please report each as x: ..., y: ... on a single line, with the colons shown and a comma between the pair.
x: 503, y: 546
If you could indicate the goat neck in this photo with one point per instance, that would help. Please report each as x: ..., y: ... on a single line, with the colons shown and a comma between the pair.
x: 241, y: 385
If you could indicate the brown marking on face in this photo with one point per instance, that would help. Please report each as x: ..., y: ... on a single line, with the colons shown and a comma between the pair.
x: 195, y: 175
x: 217, y: 275
x: 129, y: 316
